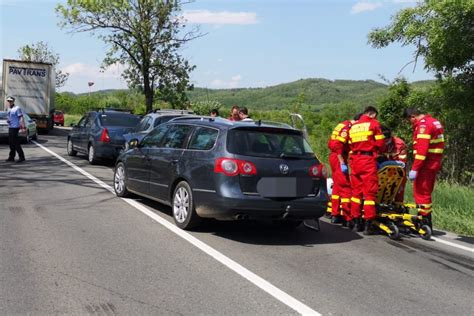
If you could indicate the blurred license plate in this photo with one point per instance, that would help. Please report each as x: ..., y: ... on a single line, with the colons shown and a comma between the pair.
x: 284, y: 187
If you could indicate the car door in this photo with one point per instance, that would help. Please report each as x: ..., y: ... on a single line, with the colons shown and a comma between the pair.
x: 75, y: 135
x: 165, y: 158
x: 138, y: 161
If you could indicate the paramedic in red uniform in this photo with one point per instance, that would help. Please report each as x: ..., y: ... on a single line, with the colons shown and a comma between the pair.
x: 366, y: 141
x: 396, y: 150
x: 341, y: 192
x: 428, y: 147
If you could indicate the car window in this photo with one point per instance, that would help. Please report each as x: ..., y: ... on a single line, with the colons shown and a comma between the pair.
x: 90, y: 120
x: 163, y: 119
x: 203, y: 138
x: 176, y: 136
x: 268, y: 142
x: 3, y: 115
x: 119, y: 119
x: 154, y: 138
x: 83, y: 121
x: 144, y: 124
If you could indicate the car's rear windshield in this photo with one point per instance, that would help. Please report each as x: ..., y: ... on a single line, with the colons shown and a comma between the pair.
x: 268, y: 142
x: 119, y: 119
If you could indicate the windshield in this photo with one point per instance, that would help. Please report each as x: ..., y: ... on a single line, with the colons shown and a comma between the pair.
x: 119, y: 119
x: 269, y: 142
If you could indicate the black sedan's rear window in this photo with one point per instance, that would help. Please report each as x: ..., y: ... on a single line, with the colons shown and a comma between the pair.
x: 268, y: 142
x: 119, y: 119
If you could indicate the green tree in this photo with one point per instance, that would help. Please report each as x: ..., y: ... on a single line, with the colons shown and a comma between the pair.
x: 441, y: 31
x: 41, y: 52
x: 145, y: 36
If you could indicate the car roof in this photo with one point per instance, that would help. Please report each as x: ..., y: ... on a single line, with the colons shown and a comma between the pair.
x: 223, y: 123
x: 175, y: 114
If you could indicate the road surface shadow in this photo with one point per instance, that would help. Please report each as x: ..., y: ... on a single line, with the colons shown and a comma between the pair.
x: 265, y: 232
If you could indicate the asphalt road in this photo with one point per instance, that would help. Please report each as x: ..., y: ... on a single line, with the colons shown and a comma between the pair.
x: 69, y: 246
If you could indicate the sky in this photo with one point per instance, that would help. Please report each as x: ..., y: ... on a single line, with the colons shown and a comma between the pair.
x: 247, y: 43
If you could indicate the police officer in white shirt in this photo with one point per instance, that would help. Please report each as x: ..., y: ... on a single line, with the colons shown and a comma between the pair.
x: 16, y: 123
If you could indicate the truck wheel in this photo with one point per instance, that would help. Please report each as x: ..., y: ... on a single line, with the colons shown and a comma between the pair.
x: 70, y: 148
x: 92, y: 157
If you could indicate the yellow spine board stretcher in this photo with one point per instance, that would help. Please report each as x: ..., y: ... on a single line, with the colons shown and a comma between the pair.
x: 391, y: 216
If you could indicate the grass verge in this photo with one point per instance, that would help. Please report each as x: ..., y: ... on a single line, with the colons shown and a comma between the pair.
x: 453, y: 207
x: 71, y: 119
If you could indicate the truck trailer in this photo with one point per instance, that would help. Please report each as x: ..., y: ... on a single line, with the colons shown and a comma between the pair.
x: 33, y: 85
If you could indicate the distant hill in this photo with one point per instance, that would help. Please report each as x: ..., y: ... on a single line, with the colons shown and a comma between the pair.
x: 318, y: 93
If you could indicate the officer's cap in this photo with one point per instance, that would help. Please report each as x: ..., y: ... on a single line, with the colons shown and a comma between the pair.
x: 10, y: 98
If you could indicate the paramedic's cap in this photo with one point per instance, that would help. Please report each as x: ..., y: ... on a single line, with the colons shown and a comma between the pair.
x: 10, y: 98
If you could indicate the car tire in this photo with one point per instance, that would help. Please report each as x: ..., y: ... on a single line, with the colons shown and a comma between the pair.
x: 91, y: 155
x: 184, y: 212
x: 35, y: 136
x: 70, y: 148
x: 62, y: 124
x: 120, y: 177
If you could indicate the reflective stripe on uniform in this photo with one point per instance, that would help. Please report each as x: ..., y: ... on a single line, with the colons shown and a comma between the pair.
x: 334, y: 196
x: 437, y: 140
x: 379, y: 137
x: 369, y: 202
x: 436, y: 151
x: 355, y: 200
x: 345, y: 200
x: 341, y: 139
x: 424, y: 136
x: 420, y: 157
x: 360, y: 134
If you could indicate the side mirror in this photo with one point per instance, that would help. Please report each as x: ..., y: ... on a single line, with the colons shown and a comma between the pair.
x: 133, y: 143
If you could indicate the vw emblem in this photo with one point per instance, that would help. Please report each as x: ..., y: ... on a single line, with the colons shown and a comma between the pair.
x: 284, y: 168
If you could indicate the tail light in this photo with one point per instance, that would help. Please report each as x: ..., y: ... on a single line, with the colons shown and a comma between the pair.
x: 104, y: 137
x: 232, y: 167
x: 318, y: 171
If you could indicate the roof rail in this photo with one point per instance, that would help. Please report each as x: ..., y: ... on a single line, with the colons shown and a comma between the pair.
x: 197, y: 117
x: 177, y: 111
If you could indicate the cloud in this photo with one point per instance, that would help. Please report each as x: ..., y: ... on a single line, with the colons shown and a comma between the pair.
x: 85, y: 70
x: 223, y: 17
x: 229, y: 84
x: 363, y: 6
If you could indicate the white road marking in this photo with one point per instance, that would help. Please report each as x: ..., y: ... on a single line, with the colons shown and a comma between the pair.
x: 263, y: 284
x: 452, y: 244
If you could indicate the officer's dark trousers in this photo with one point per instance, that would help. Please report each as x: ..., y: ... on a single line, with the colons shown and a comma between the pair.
x: 14, y: 141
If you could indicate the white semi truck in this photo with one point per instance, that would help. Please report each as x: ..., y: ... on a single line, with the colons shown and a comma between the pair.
x: 33, y: 86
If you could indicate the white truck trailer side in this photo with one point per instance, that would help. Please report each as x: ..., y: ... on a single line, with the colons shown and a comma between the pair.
x: 33, y: 85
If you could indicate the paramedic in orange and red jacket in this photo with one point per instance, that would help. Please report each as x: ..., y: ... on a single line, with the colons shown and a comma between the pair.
x: 366, y: 141
x: 428, y: 148
x: 338, y: 144
x: 396, y: 150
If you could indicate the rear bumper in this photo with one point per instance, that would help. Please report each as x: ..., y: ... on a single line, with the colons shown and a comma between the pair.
x: 212, y: 205
x: 108, y: 151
